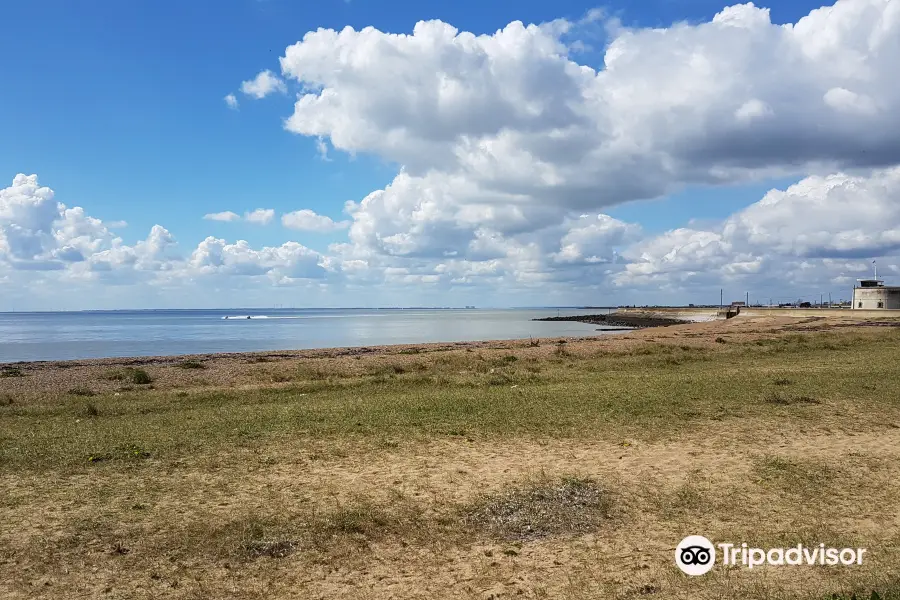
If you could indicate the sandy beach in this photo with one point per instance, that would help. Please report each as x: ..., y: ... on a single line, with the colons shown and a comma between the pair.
x: 243, y: 368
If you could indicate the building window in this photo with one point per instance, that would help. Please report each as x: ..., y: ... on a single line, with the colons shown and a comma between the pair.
x: 859, y: 305
x: 881, y: 305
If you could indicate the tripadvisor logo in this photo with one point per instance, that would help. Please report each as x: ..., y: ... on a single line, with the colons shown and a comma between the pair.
x: 696, y: 555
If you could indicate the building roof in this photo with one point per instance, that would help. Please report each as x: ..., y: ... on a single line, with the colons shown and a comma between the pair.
x: 871, y: 282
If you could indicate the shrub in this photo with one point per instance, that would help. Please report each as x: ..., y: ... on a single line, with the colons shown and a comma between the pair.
x: 191, y: 364
x: 7, y: 371
x: 140, y: 376
x: 137, y: 376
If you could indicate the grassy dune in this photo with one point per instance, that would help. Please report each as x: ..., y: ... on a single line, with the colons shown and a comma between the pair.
x: 532, y: 470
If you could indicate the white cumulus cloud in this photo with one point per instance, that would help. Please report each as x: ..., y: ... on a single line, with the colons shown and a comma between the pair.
x: 308, y: 220
x: 288, y: 261
x: 508, y: 132
x: 821, y: 228
x: 260, y: 216
x: 265, y: 83
x: 222, y: 216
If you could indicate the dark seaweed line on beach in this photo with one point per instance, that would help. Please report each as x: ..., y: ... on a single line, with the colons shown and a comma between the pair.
x: 628, y: 321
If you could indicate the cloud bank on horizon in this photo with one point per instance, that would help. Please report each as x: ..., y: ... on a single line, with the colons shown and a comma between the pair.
x: 510, y: 151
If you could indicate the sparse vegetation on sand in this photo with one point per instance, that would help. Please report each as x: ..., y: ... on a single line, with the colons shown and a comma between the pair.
x: 191, y: 364
x: 128, y: 374
x: 567, y: 506
x: 10, y: 371
x: 504, y: 470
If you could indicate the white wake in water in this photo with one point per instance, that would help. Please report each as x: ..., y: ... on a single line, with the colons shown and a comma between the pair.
x: 230, y: 317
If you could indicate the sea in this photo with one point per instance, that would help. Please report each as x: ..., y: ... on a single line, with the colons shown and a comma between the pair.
x: 33, y: 336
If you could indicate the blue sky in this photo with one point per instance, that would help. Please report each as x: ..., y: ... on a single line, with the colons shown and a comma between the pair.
x: 130, y: 93
x: 118, y: 107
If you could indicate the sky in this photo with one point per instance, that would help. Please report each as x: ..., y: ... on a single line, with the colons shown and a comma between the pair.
x: 392, y: 153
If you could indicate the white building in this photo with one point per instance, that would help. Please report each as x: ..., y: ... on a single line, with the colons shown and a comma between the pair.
x: 873, y: 294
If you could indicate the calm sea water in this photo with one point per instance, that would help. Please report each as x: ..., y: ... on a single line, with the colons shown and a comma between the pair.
x: 96, y: 334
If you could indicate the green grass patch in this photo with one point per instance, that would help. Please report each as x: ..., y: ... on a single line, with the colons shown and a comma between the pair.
x: 652, y: 391
x: 9, y: 371
x: 190, y: 364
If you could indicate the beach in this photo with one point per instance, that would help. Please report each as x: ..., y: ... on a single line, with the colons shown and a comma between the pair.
x: 228, y: 369
x: 130, y: 333
x: 532, y: 468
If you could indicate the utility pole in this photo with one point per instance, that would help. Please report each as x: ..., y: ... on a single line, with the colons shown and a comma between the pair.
x: 747, y: 303
x: 721, y: 297
x: 820, y: 300
x: 829, y: 299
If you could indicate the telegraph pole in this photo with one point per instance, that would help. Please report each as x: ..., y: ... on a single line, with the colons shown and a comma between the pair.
x: 721, y: 297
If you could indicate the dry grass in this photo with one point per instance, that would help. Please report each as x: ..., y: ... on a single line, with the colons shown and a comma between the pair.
x: 567, y: 506
x: 786, y: 400
x: 532, y: 470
